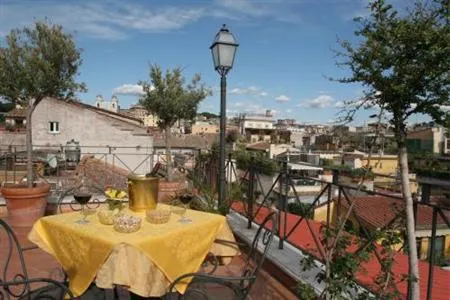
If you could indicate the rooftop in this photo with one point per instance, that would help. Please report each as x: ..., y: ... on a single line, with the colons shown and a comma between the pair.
x: 378, y: 211
x: 303, y: 237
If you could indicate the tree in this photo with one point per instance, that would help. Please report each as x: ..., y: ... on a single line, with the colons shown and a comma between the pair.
x: 38, y: 62
x: 167, y: 96
x: 402, y: 61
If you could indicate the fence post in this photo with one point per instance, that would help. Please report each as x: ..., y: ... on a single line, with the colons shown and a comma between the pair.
x: 251, y: 191
x: 431, y: 255
x: 284, y: 190
x: 426, y: 191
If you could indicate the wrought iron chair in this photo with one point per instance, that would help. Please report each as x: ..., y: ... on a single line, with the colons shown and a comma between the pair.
x: 202, y: 285
x: 18, y: 286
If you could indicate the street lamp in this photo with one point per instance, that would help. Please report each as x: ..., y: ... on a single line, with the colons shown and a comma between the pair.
x: 223, y: 50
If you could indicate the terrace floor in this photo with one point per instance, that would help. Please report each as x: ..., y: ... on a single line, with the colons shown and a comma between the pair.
x: 41, y: 264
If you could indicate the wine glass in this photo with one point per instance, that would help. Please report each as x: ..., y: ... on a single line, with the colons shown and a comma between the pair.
x: 185, y: 199
x: 82, y: 197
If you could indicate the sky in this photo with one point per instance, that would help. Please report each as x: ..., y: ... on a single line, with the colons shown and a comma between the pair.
x: 285, y: 55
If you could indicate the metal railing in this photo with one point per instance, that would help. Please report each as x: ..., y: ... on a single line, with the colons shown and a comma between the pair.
x: 52, y: 163
x: 284, y: 184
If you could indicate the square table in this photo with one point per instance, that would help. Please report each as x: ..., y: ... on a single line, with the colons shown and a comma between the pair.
x: 146, y: 261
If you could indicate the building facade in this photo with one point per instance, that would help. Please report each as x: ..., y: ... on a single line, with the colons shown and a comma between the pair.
x: 99, y: 132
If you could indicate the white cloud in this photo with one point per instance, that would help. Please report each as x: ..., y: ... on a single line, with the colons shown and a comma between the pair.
x: 259, y: 9
x: 113, y: 20
x: 321, y: 101
x: 288, y: 110
x: 339, y: 104
x: 249, y: 91
x: 104, y: 20
x: 282, y: 98
x: 129, y: 89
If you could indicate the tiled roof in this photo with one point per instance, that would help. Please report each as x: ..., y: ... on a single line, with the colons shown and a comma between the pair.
x: 261, y: 146
x: 103, y: 111
x: 378, y: 211
x: 186, y: 141
x: 303, y: 238
x: 17, y: 113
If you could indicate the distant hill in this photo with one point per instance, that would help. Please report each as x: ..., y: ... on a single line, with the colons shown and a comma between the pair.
x: 209, y: 115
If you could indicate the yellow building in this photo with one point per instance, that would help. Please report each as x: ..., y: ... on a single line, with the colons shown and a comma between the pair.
x: 139, y: 112
x: 375, y: 212
x: 201, y: 127
x: 380, y: 164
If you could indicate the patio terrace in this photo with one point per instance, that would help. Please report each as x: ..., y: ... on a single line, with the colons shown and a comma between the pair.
x: 43, y: 265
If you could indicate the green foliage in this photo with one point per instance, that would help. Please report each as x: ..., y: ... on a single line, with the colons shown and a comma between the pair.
x: 37, y: 62
x: 400, y: 62
x: 327, y: 162
x: 167, y: 95
x: 6, y: 107
x: 261, y: 162
x: 301, y: 209
x: 344, y: 264
x: 354, y: 173
x: 305, y: 291
x: 434, y: 173
x: 231, y: 137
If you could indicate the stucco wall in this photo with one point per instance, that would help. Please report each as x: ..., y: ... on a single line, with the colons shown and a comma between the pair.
x: 10, y: 138
x: 94, y: 131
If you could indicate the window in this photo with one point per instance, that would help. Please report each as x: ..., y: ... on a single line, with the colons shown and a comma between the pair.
x: 53, y: 127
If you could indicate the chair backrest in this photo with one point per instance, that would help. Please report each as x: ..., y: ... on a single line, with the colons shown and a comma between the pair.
x: 259, y: 249
x: 12, y: 246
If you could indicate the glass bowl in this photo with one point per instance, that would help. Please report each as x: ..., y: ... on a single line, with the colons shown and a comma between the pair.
x: 106, y: 217
x: 158, y: 216
x: 127, y: 223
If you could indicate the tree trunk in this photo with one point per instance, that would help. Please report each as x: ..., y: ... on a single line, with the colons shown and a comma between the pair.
x: 410, y: 226
x: 29, y: 145
x: 168, y: 154
x: 32, y: 103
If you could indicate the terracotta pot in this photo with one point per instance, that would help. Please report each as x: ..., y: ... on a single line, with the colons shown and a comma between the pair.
x: 168, y: 191
x: 25, y: 205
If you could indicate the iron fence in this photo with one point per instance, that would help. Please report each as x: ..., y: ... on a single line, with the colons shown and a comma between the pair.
x: 284, y: 184
x: 112, y: 163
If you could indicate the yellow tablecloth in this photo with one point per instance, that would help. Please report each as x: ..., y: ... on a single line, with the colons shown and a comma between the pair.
x: 171, y: 249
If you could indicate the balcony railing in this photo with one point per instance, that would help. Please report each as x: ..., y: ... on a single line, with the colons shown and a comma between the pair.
x: 342, y: 195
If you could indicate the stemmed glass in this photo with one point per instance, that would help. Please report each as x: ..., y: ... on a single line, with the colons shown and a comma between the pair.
x: 185, y: 199
x: 82, y: 197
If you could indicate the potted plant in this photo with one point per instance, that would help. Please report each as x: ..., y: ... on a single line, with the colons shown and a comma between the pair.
x: 170, y: 99
x: 35, y: 63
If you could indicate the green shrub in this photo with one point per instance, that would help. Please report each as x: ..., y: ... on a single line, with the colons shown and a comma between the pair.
x: 301, y: 209
x: 262, y: 164
x: 305, y: 291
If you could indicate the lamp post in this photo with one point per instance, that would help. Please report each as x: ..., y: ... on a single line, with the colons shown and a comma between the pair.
x: 223, y: 50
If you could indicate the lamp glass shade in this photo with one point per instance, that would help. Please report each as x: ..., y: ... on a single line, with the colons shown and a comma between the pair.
x: 223, y: 49
x: 226, y: 55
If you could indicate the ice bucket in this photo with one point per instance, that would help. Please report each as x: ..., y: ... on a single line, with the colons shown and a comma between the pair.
x: 142, y: 192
